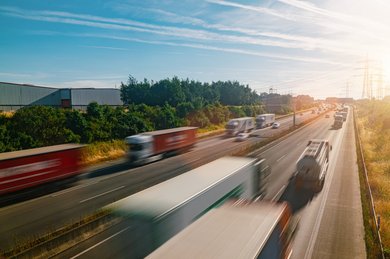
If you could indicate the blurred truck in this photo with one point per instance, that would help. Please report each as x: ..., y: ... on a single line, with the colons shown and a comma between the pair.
x: 312, y: 165
x: 161, y: 211
x: 265, y: 120
x: 338, y: 121
x: 236, y: 230
x: 239, y: 125
x: 153, y: 145
x: 344, y: 115
x: 31, y: 167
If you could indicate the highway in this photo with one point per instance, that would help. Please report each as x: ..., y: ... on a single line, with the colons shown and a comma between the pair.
x: 331, y: 224
x: 105, y: 185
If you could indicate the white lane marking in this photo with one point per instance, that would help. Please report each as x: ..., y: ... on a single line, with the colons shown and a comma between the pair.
x: 280, y: 158
x: 265, y: 168
x: 280, y: 191
x: 101, y: 242
x: 73, y: 189
x: 104, y: 193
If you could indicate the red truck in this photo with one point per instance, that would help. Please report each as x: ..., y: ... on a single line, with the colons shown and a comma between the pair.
x: 27, y: 168
x: 150, y: 146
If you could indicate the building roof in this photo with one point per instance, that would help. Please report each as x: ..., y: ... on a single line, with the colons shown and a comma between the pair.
x: 30, y: 85
x: 164, y: 197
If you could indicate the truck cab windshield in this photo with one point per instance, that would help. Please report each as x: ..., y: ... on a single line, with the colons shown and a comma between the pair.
x: 136, y: 147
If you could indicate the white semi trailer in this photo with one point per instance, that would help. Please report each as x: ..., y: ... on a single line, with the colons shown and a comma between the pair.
x: 235, y: 230
x: 161, y: 211
x: 239, y: 125
x: 312, y: 165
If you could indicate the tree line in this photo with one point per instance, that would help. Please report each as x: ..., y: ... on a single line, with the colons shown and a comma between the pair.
x: 187, y: 92
x: 148, y: 106
x: 39, y: 126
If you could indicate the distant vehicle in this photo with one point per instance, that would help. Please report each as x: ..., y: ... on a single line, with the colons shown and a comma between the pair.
x: 312, y: 165
x: 153, y: 145
x: 345, y: 109
x: 236, y: 230
x: 242, y: 136
x: 239, y: 125
x: 313, y: 111
x: 31, y: 167
x: 265, y: 120
x: 338, y: 121
x: 327, y: 116
x: 275, y: 125
x: 163, y: 210
x: 344, y: 114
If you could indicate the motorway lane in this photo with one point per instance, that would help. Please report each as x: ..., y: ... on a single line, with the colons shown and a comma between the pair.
x: 283, y: 157
x: 331, y: 224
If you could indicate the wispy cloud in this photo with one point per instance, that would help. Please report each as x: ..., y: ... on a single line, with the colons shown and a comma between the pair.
x: 221, y: 49
x: 257, y: 9
x: 251, y: 37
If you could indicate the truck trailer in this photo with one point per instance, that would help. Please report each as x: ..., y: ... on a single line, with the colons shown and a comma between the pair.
x: 265, y: 120
x: 153, y: 145
x: 235, y: 230
x: 312, y: 165
x: 338, y: 121
x: 31, y: 167
x: 239, y: 125
x: 161, y: 211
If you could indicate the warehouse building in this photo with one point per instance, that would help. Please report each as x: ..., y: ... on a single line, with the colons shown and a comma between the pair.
x: 15, y: 96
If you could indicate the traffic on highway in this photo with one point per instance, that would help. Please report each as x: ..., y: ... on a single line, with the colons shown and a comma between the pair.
x: 298, y: 164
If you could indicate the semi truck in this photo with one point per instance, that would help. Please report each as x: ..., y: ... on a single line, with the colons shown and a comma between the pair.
x: 344, y: 115
x: 235, y: 230
x: 239, y: 125
x: 312, y: 165
x: 161, y: 211
x: 153, y: 145
x: 31, y: 167
x: 265, y: 120
x: 338, y: 121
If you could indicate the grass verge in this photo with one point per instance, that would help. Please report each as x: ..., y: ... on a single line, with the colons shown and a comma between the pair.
x: 375, y: 149
x: 103, y: 151
x: 370, y: 236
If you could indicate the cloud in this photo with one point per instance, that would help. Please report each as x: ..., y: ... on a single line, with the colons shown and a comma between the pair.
x: 288, y: 41
x: 221, y: 49
x: 257, y: 9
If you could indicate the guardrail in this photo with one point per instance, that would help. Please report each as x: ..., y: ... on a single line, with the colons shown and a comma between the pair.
x: 372, y: 207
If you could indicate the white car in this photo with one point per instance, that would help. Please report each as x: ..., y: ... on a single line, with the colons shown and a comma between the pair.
x: 242, y: 136
x: 275, y: 125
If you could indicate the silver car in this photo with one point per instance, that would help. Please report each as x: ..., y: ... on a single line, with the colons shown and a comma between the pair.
x: 275, y: 125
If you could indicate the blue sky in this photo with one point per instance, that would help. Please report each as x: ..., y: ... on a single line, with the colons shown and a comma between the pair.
x: 297, y: 47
